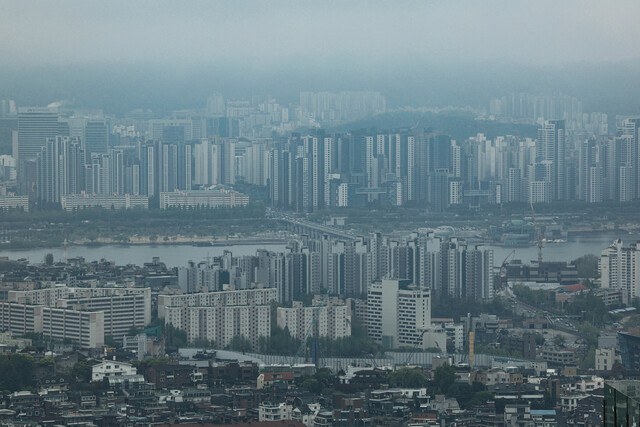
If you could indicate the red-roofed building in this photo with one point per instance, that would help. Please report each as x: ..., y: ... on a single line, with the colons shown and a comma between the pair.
x: 565, y: 294
x: 267, y: 379
x: 576, y: 288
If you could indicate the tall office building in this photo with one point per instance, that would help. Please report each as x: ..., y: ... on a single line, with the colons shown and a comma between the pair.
x: 96, y: 137
x: 35, y: 125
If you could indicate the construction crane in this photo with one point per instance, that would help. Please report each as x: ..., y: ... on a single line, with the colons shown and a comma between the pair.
x: 502, y: 274
x: 538, y: 234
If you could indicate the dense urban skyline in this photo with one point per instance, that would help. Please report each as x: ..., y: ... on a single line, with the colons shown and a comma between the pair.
x: 58, y: 152
x: 320, y: 213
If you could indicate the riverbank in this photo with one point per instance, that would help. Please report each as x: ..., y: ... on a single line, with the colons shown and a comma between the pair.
x: 177, y: 254
x: 146, y: 241
x: 172, y: 255
x: 605, y: 228
x: 177, y: 241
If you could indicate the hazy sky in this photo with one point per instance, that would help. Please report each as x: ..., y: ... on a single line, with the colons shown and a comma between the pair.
x: 264, y: 33
x: 124, y: 54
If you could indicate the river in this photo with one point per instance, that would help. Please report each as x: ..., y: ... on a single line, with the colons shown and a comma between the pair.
x: 178, y: 255
x: 576, y: 246
x: 171, y: 255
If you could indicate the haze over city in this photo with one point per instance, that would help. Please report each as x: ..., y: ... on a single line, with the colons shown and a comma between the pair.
x: 166, y: 55
x: 320, y: 213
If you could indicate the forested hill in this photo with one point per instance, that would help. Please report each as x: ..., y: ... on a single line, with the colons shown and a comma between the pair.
x: 459, y: 124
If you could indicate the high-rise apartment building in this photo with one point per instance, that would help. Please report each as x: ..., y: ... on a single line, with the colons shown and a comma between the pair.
x: 551, y: 146
x: 123, y: 308
x: 83, y: 315
x: 619, y: 268
x: 398, y: 314
x: 60, y: 166
x: 220, y: 316
x: 630, y: 133
x: 331, y: 320
x: 83, y: 327
x: 342, y: 106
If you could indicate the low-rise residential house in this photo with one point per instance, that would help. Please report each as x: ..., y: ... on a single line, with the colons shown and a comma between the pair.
x: 171, y: 376
x: 274, y: 411
x: 111, y: 368
x: 234, y: 372
x: 605, y: 359
x: 306, y: 413
x: 569, y: 402
x: 561, y: 356
x: 544, y: 417
x: 267, y: 379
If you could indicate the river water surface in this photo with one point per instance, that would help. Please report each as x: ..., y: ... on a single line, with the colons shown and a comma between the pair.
x: 178, y: 255
x: 171, y: 255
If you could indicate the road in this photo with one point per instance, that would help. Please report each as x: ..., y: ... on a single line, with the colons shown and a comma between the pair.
x: 557, y: 321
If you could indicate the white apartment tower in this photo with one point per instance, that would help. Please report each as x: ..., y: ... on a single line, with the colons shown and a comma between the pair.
x: 619, y: 268
x: 398, y: 313
x: 551, y: 147
x: 332, y: 320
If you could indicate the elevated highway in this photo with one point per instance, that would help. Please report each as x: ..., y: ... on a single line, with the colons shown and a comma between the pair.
x: 312, y: 229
